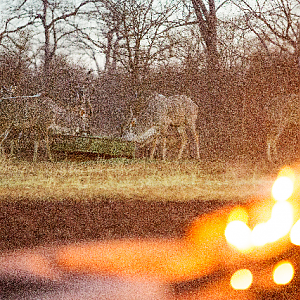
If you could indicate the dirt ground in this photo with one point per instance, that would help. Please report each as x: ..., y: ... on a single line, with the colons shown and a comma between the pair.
x: 28, y: 223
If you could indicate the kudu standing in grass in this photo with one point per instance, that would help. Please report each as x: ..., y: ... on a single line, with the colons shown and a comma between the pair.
x: 34, y: 116
x: 160, y: 113
x: 281, y: 112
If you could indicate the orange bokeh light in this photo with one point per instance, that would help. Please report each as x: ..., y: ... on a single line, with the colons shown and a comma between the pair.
x: 238, y: 214
x: 237, y: 234
x: 283, y: 273
x: 282, y: 188
x: 241, y: 279
x: 295, y: 233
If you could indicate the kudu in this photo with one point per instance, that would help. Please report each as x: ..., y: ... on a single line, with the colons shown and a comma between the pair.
x: 160, y: 113
x: 280, y: 113
x: 42, y: 117
x: 37, y: 116
x: 30, y: 114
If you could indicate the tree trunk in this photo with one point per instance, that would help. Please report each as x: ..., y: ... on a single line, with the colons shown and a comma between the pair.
x: 47, y: 50
x: 214, y: 106
x: 47, y: 57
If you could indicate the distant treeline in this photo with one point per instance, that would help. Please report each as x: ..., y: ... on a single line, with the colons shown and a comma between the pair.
x: 245, y: 90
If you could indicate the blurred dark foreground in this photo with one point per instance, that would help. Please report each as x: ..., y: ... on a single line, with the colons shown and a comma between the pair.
x: 31, y: 233
x: 32, y: 230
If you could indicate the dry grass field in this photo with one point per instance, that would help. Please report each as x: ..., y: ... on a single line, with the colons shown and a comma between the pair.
x: 129, y: 178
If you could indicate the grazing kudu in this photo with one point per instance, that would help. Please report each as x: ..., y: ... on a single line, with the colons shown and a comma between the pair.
x: 281, y: 112
x: 160, y: 113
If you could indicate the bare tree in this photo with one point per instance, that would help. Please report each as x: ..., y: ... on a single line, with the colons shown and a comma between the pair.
x: 208, y: 24
x: 206, y: 13
x: 206, y: 18
x: 48, y: 20
x: 10, y: 20
x: 135, y: 34
x: 275, y: 23
x: 52, y: 16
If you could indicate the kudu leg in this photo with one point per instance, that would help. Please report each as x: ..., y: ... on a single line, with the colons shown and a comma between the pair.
x: 273, y: 141
x: 164, y: 150
x: 269, y: 151
x: 35, y: 150
x: 184, y: 140
x: 4, y: 135
x: 154, y: 147
x: 12, y: 144
x: 196, y: 140
x: 48, y: 148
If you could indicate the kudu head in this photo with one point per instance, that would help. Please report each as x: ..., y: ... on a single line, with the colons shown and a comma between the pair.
x: 135, y: 131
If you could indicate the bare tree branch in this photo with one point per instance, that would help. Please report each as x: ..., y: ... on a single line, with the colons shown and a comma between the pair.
x: 277, y: 21
x: 5, y: 32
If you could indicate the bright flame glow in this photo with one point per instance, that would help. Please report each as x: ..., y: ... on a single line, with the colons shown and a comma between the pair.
x: 283, y: 273
x: 287, y: 172
x: 238, y: 214
x: 277, y: 227
x: 238, y: 234
x: 295, y: 233
x: 281, y: 221
x: 241, y: 279
x: 260, y: 234
x: 282, y: 188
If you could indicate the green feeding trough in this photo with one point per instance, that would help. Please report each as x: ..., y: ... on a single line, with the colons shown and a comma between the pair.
x: 113, y: 147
